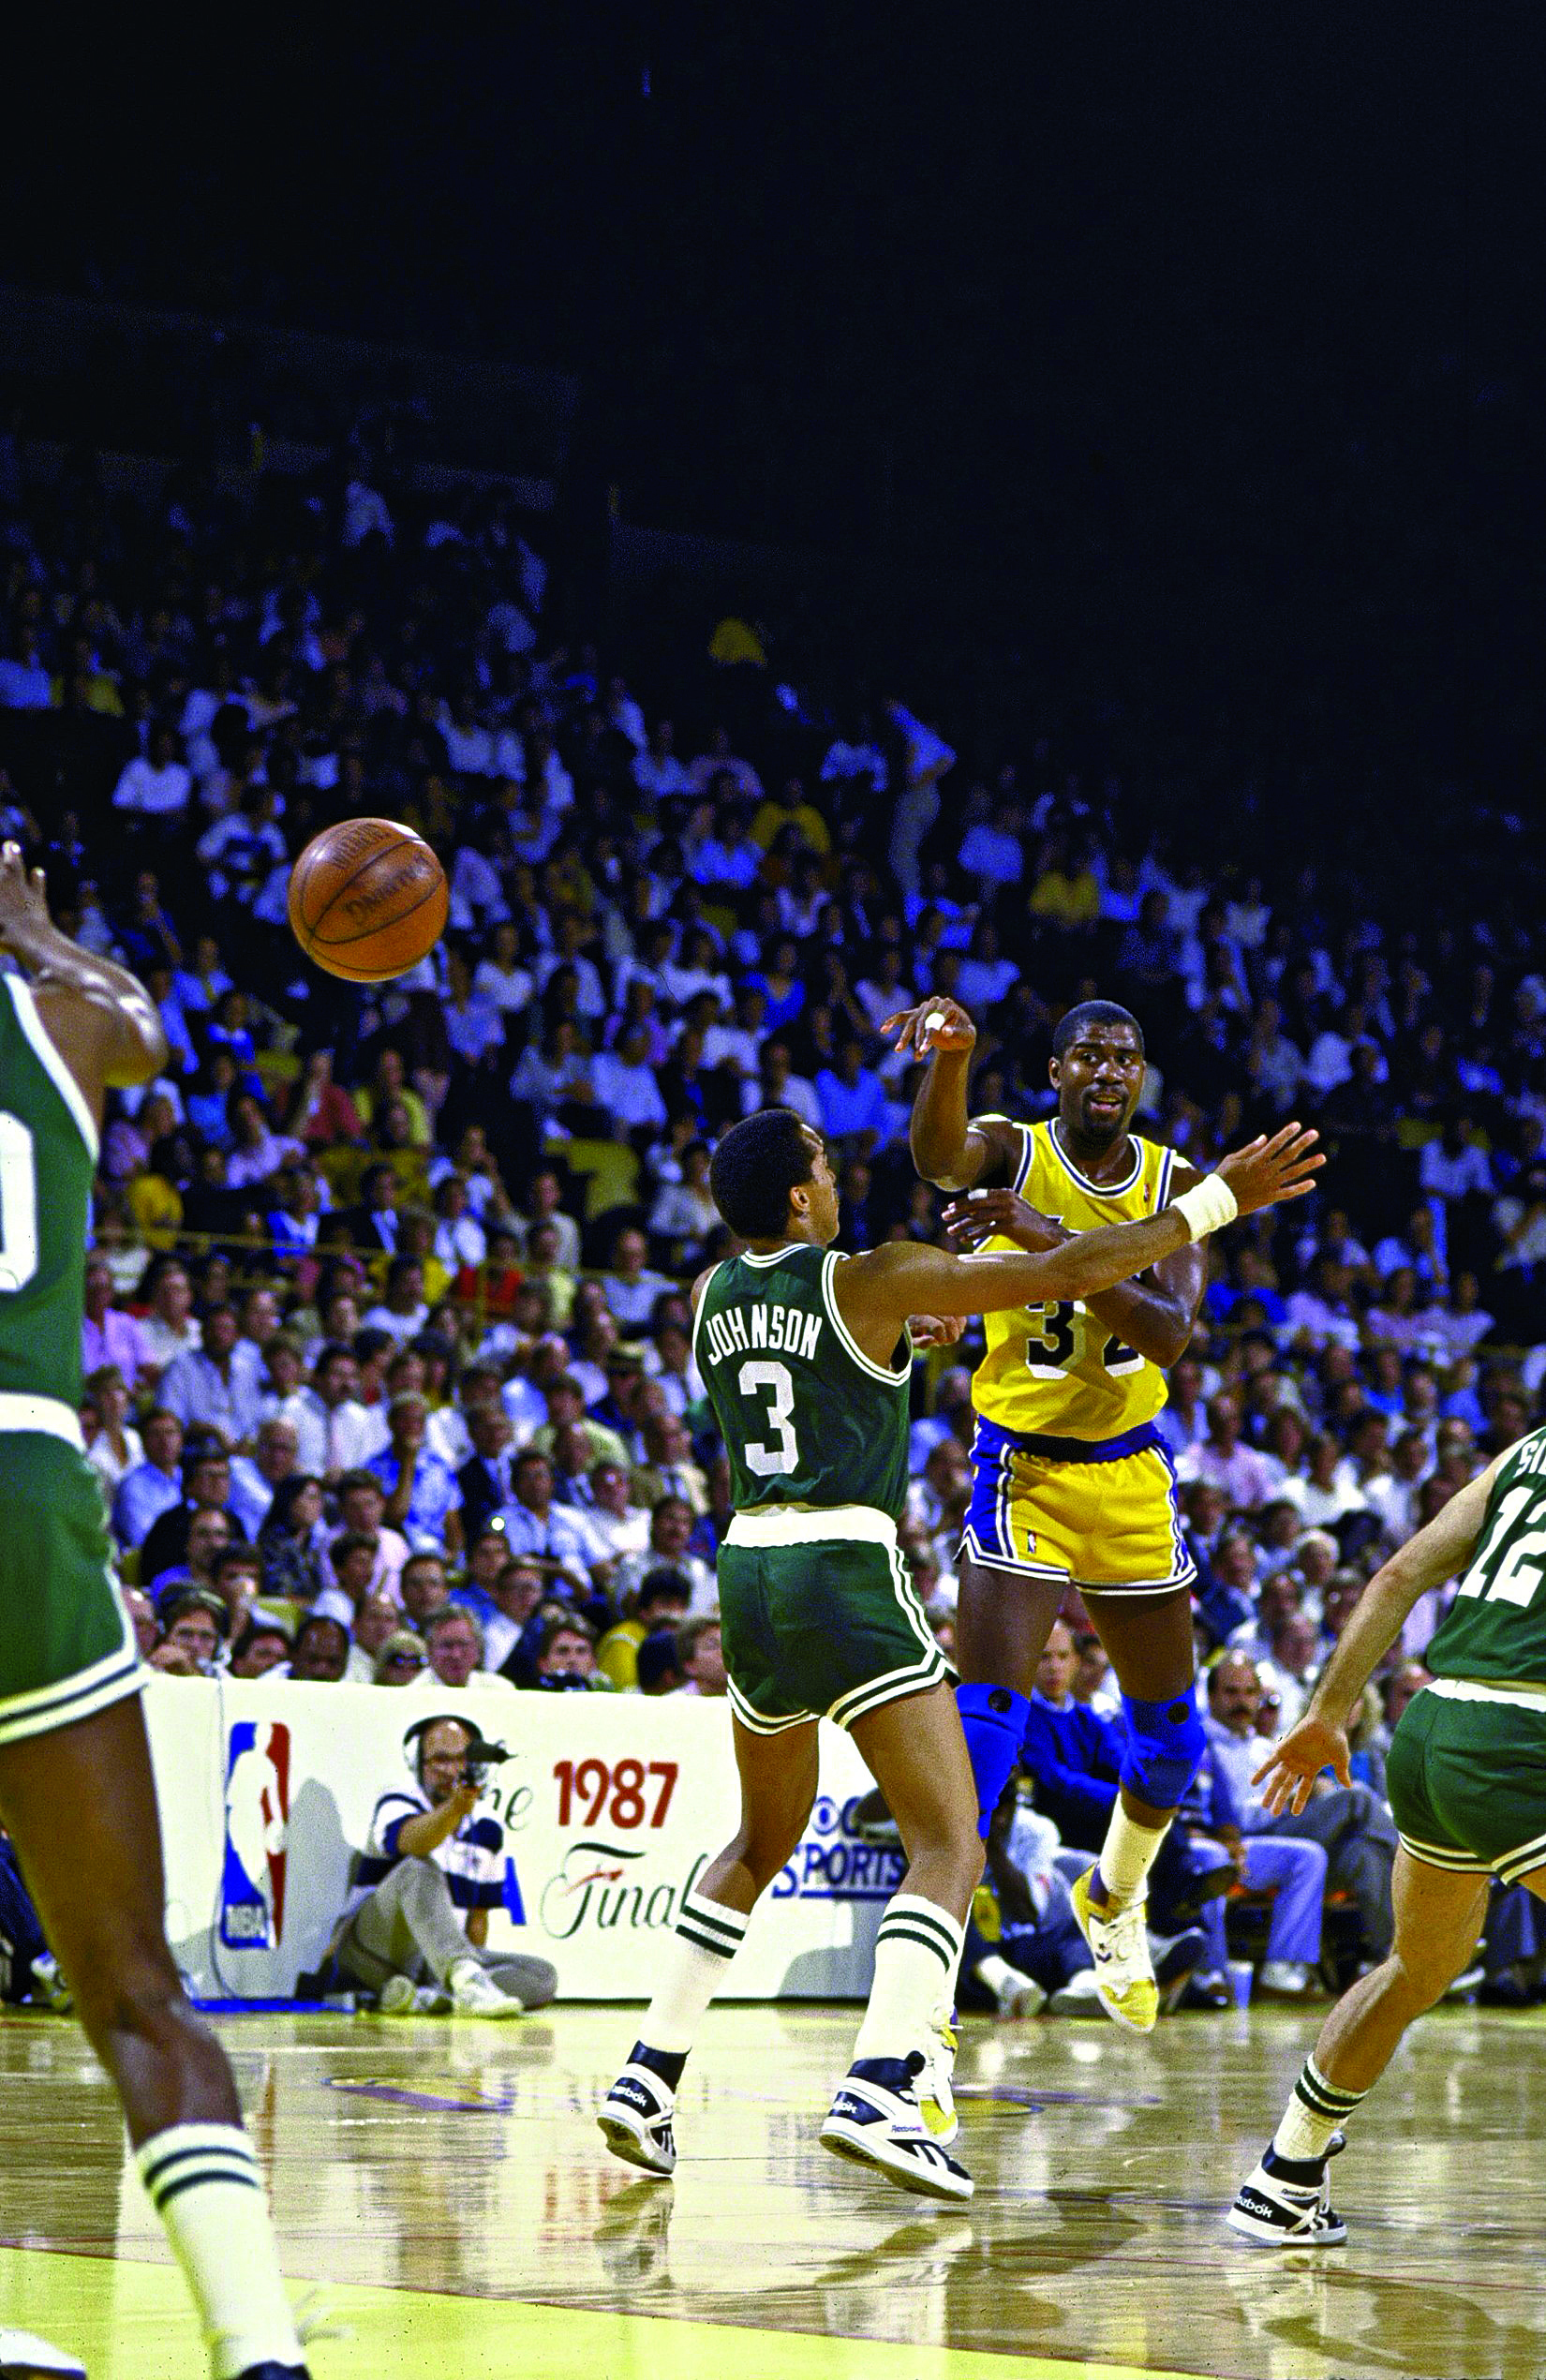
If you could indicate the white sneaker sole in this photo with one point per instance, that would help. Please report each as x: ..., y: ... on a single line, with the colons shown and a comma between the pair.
x: 908, y: 2165
x: 494, y: 2011
x: 21, y: 2352
x: 1267, y: 2235
x: 626, y: 2137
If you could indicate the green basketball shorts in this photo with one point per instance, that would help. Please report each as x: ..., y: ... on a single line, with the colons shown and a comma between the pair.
x: 67, y: 1643
x: 820, y: 1618
x: 1466, y: 1778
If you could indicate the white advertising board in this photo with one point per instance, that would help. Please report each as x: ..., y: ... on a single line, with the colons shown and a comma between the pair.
x: 611, y: 1805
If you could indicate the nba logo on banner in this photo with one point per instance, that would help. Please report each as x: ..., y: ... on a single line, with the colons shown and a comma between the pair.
x: 252, y: 1892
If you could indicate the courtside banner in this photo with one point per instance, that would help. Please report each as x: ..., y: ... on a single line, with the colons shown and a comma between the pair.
x: 611, y: 1807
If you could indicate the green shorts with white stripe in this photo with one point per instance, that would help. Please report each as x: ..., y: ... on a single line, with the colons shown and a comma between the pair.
x: 1466, y: 1778
x: 67, y: 1645
x: 819, y: 1626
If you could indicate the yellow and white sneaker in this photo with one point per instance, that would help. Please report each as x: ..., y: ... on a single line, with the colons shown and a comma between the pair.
x: 1119, y: 1943
x: 935, y: 2085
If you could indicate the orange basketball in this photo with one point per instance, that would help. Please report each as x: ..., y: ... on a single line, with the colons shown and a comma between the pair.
x: 367, y: 898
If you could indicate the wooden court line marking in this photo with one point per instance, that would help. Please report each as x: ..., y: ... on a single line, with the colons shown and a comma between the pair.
x: 117, y: 2312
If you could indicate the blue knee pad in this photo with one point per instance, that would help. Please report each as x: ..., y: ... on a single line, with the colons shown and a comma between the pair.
x: 993, y: 1721
x: 1166, y: 1742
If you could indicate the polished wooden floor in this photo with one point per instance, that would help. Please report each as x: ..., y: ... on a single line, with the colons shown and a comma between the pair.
x: 442, y: 2188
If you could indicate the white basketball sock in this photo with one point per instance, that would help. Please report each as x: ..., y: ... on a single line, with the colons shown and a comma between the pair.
x: 203, y: 2181
x: 707, y: 1936
x: 917, y: 1952
x: 1315, y: 2111
x: 1127, y: 1855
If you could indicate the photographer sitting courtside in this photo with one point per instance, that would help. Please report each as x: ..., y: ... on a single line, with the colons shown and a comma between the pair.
x: 416, y: 1931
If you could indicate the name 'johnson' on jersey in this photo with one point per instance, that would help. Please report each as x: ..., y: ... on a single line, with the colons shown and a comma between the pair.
x: 1053, y: 1369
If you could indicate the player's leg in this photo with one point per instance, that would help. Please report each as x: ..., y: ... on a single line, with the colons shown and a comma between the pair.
x: 1438, y: 1913
x: 79, y: 1802
x: 778, y: 1773
x: 1149, y: 1641
x: 887, y: 2112
x: 1003, y: 1618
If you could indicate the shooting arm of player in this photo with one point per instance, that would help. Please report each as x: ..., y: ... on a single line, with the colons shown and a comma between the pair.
x: 878, y: 1290
x: 418, y: 1836
x: 1154, y: 1316
x: 102, y: 1021
x: 948, y: 1148
x: 1319, y: 1741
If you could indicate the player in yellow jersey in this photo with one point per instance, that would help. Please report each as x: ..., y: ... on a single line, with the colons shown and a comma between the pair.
x: 1073, y: 1485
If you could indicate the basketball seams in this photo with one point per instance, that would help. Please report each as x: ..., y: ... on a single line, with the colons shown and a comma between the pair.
x: 341, y: 941
x: 403, y: 838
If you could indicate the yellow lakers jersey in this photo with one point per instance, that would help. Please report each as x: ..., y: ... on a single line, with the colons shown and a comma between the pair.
x: 1053, y: 1370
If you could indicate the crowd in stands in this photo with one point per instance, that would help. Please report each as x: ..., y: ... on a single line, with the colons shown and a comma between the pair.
x: 388, y: 1355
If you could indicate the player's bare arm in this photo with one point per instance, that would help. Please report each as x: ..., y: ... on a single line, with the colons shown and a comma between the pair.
x: 1155, y: 1315
x: 878, y: 1290
x: 1319, y: 1741
x: 100, y: 1018
x: 950, y: 1149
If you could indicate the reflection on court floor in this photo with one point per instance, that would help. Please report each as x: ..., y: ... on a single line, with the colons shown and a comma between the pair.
x: 441, y: 2191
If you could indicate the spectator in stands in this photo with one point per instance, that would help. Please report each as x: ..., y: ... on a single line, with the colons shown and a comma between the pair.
x: 113, y: 1445
x: 1246, y: 1476
x: 454, y: 1644
x: 321, y: 1654
x: 700, y: 1657
x: 1351, y: 1825
x: 546, y: 1533
x: 337, y: 1433
x: 287, y: 1550
x: 109, y: 1335
x: 565, y: 1659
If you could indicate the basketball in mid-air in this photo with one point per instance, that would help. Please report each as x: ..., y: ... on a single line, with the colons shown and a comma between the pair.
x: 367, y: 900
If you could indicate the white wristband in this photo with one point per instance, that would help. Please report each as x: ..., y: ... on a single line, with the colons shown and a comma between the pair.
x: 1208, y: 1206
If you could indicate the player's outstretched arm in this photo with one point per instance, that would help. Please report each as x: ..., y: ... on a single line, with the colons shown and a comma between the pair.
x: 1156, y: 1314
x: 880, y: 1288
x: 102, y: 1021
x: 948, y: 1148
x: 1319, y: 1741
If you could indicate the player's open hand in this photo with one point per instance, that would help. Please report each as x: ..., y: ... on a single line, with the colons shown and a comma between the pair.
x: 23, y: 899
x: 933, y: 1024
x: 935, y: 1329
x: 988, y: 1214
x: 1289, y: 1774
x: 1266, y: 1171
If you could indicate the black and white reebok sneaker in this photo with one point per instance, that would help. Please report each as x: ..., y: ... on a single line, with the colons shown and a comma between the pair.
x: 876, y: 2120
x: 638, y: 2118
x: 1274, y: 2212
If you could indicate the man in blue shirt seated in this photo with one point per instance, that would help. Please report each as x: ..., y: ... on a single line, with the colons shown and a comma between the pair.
x: 416, y: 1930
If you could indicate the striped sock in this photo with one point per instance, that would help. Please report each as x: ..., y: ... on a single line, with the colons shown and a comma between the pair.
x: 203, y: 2181
x: 1315, y: 2111
x: 918, y: 1951
x: 708, y: 1936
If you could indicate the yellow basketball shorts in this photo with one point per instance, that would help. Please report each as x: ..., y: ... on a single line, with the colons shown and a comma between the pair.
x: 1099, y: 1514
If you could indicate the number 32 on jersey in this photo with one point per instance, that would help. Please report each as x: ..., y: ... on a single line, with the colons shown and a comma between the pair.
x: 1069, y: 1335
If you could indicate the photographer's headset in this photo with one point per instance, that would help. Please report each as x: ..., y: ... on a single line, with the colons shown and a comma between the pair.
x: 413, y: 1742
x: 479, y: 1751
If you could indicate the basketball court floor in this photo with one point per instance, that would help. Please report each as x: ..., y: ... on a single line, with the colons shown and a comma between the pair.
x: 444, y: 2198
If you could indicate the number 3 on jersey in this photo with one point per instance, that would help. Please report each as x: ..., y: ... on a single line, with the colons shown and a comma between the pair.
x: 1065, y: 1338
x: 18, y: 1205
x: 773, y: 1381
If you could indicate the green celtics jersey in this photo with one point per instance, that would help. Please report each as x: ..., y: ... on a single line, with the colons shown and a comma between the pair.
x: 1496, y: 1626
x: 806, y: 1416
x: 48, y: 1154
